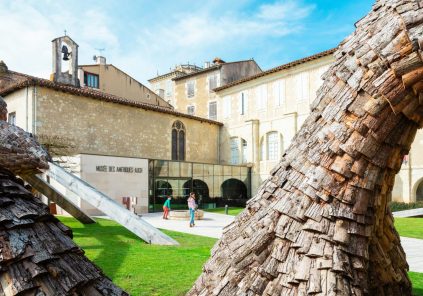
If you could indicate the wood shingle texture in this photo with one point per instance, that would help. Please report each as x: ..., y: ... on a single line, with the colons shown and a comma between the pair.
x: 320, y: 224
x: 37, y: 254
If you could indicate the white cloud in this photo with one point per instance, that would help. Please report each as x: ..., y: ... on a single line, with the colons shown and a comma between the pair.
x: 285, y: 10
x: 197, y: 35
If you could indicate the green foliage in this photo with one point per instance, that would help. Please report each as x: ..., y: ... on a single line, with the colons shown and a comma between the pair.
x: 401, y: 206
x: 137, y: 267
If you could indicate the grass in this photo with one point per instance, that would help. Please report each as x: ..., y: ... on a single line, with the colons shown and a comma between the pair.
x: 139, y: 268
x: 417, y: 280
x: 233, y: 211
x: 410, y: 227
x: 148, y: 270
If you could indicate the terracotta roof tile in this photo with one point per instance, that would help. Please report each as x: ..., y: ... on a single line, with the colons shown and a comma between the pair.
x: 22, y: 80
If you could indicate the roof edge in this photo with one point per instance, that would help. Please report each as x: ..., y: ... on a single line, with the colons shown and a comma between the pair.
x: 278, y: 68
x: 35, y: 81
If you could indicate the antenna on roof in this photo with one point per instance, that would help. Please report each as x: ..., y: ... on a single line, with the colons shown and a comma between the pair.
x: 100, y: 50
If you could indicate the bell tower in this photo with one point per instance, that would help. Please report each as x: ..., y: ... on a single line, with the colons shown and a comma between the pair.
x: 65, y: 61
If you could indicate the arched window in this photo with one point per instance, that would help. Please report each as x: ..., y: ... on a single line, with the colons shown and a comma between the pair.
x: 273, y: 146
x: 244, y: 150
x: 178, y: 141
x: 234, y: 151
x: 419, y: 192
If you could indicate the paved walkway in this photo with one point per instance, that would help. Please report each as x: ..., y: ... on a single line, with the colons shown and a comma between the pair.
x: 213, y: 224
x: 414, y: 250
x: 409, y: 213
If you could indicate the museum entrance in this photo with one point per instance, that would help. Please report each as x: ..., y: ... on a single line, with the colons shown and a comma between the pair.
x: 214, y: 185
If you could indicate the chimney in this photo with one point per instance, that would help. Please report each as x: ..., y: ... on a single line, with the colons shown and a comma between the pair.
x: 218, y: 61
x: 206, y: 65
x: 100, y: 60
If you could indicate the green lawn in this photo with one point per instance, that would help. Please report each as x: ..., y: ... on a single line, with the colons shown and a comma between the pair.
x: 139, y: 268
x: 143, y: 269
x: 231, y: 211
x: 410, y: 227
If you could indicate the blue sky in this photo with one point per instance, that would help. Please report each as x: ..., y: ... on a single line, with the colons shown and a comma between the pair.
x: 145, y: 37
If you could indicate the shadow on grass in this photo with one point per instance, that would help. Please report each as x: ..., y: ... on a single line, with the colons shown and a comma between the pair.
x: 107, y: 245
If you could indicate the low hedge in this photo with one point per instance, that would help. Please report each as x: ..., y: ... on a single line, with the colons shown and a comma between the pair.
x: 401, y: 206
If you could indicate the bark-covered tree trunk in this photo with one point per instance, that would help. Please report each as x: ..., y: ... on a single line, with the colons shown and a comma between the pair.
x: 320, y: 223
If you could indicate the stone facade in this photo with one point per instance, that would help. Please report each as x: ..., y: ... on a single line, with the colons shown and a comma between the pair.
x: 96, y: 127
x: 263, y: 114
x: 193, y: 92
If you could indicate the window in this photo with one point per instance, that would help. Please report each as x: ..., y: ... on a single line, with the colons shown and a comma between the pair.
x: 272, y: 146
x: 11, y: 118
x: 213, y: 110
x: 178, y: 141
x: 302, y: 87
x: 244, y: 150
x: 169, y: 88
x: 261, y: 97
x: 279, y: 92
x: 190, y: 88
x: 212, y: 82
x: 160, y: 92
x: 243, y: 103
x: 91, y: 80
x: 191, y: 110
x: 234, y: 151
x: 226, y: 107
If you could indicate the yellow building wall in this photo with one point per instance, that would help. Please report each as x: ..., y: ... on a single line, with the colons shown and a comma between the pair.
x: 114, y: 81
x: 202, y: 94
x: 274, y: 103
x: 98, y: 127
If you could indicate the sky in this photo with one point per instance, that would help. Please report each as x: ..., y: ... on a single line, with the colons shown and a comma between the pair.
x: 145, y: 38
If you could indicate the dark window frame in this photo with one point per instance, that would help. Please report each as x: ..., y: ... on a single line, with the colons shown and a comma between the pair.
x: 178, y: 144
x: 86, y: 74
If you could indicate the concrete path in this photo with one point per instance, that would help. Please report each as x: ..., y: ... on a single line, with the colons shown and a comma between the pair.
x: 213, y: 224
x: 414, y: 250
x: 409, y: 213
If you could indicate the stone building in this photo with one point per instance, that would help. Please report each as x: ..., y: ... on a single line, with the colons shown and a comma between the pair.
x: 164, y: 86
x: 193, y: 92
x: 110, y: 79
x: 113, y: 137
x: 262, y: 113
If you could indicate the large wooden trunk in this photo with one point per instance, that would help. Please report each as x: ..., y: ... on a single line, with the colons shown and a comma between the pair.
x: 320, y: 223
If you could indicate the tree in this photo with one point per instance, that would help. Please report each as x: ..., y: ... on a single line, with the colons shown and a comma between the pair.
x: 320, y: 223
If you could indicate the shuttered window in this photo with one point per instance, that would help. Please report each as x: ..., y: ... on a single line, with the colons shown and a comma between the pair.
x: 213, y: 110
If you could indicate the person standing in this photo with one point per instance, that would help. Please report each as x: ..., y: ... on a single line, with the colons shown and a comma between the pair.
x: 192, y: 207
x: 166, y: 207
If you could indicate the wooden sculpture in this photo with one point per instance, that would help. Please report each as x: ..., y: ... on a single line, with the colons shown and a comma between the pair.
x: 320, y: 224
x: 37, y: 254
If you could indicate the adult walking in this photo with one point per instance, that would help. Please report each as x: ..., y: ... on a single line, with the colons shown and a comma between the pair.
x: 192, y: 207
x: 166, y: 207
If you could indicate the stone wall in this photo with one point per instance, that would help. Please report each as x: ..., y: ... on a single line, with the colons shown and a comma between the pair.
x: 97, y: 127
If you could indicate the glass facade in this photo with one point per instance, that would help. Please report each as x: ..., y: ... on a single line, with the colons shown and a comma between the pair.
x: 214, y: 185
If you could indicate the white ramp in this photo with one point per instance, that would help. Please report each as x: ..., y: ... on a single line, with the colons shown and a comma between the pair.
x: 110, y: 207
